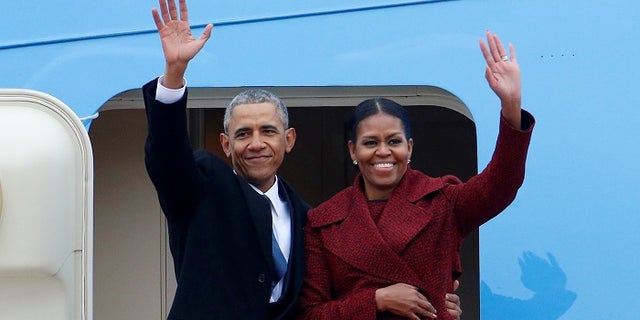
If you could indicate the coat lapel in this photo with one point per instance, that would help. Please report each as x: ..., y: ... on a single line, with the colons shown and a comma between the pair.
x: 259, y: 210
x: 351, y: 234
x: 298, y: 210
x: 401, y: 221
x: 357, y: 241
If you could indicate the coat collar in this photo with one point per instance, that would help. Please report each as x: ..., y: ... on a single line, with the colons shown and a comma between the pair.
x: 351, y: 234
x: 414, y: 186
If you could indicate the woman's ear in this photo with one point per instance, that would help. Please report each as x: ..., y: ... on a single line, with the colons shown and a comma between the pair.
x: 352, y: 149
x: 410, y: 147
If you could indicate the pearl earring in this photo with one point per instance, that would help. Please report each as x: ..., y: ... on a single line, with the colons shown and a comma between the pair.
x: 408, y: 161
x: 355, y: 162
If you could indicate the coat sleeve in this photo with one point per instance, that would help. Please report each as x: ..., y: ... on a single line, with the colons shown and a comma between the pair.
x: 487, y: 194
x: 316, y: 300
x: 169, y: 158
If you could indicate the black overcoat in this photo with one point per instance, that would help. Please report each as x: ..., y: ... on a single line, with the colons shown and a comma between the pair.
x: 219, y: 227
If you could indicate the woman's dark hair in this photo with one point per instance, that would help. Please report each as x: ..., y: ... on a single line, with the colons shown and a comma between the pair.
x: 374, y: 106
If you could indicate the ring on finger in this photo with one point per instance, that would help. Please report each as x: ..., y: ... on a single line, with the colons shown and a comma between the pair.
x: 505, y: 58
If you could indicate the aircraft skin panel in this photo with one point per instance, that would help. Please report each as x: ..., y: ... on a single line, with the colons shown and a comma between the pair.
x: 573, y: 225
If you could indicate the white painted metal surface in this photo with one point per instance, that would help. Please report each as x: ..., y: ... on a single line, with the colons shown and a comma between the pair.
x: 46, y: 174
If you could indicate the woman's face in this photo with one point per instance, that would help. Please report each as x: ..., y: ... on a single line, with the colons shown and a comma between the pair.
x: 382, y: 151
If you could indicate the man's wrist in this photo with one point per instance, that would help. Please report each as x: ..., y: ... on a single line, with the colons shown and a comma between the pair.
x: 174, y: 75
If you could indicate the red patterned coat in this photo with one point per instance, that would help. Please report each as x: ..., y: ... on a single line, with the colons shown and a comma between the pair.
x: 417, y: 239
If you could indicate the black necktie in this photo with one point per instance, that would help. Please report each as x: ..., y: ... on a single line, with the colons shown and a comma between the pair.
x: 278, y: 257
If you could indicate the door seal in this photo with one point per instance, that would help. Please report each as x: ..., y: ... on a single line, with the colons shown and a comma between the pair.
x: 0, y: 198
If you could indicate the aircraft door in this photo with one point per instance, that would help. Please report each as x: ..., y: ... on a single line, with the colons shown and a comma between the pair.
x: 46, y: 176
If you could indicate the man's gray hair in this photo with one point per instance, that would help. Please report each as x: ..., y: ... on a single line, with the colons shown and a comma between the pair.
x: 254, y: 96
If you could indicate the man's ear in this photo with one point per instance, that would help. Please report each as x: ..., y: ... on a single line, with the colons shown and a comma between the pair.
x: 224, y: 142
x: 290, y: 139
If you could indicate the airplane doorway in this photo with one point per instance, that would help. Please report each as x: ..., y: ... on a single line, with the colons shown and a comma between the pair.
x: 319, y: 166
x: 133, y: 276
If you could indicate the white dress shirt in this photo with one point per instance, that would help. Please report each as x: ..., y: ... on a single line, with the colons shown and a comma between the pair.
x: 281, y: 228
x: 168, y: 96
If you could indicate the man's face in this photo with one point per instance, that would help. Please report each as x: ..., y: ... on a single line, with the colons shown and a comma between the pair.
x: 257, y: 142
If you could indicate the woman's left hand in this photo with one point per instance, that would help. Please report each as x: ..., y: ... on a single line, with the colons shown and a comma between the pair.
x: 503, y: 75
